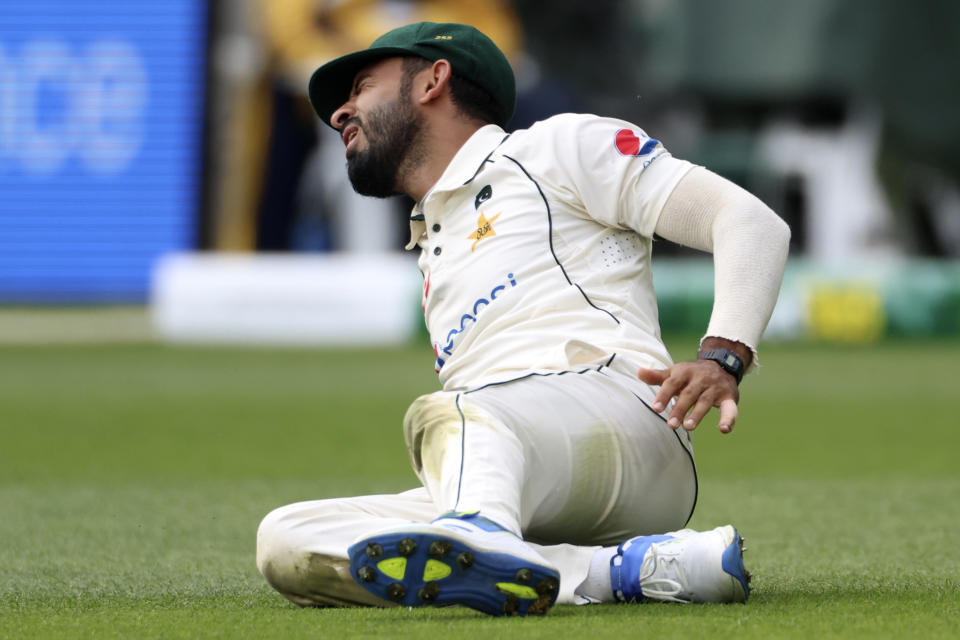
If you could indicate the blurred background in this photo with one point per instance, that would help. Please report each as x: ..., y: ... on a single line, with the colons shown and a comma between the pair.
x: 162, y: 173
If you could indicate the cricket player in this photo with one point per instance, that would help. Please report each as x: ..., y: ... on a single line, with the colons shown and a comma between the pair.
x: 556, y: 462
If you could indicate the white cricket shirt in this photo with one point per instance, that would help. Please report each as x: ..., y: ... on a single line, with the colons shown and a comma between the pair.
x: 535, y: 251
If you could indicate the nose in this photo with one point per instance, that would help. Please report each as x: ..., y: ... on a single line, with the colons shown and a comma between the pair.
x: 341, y: 115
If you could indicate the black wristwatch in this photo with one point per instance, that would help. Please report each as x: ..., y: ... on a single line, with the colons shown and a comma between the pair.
x: 727, y: 359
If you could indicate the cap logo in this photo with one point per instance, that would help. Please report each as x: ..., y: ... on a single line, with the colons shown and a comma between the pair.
x: 443, y: 37
x: 629, y: 143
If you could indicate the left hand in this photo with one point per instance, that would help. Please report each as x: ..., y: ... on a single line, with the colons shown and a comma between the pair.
x: 698, y: 386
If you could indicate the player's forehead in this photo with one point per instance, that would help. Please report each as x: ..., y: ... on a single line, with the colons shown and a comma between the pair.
x: 381, y: 70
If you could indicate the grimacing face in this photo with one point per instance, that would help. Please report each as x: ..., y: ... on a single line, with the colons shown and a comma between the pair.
x: 391, y: 130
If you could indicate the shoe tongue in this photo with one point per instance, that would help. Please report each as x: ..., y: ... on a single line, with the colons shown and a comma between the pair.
x: 625, y: 577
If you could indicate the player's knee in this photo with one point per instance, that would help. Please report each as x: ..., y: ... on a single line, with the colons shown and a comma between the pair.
x: 431, y: 415
x: 281, y: 551
x: 300, y: 556
x: 432, y: 410
x: 270, y: 542
x: 280, y: 538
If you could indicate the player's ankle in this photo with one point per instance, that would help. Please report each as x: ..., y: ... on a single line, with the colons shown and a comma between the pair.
x: 482, y: 520
x: 596, y: 586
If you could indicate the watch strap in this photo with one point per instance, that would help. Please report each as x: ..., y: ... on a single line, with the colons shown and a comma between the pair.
x: 727, y: 359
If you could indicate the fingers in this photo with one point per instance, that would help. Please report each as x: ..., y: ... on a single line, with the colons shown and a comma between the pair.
x: 670, y: 387
x: 687, y: 398
x: 701, y: 406
x: 653, y: 377
x: 700, y: 409
x: 697, y: 388
x: 657, y: 378
x: 728, y: 415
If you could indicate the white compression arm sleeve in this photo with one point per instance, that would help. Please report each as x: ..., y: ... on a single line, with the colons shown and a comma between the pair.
x: 749, y: 243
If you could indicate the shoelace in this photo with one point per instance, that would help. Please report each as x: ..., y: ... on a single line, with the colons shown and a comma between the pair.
x: 662, y: 587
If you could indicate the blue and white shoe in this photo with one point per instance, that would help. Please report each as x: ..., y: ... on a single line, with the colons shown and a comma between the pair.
x: 681, y: 566
x: 458, y: 558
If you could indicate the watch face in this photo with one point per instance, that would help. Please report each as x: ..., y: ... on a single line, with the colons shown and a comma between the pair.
x: 731, y: 360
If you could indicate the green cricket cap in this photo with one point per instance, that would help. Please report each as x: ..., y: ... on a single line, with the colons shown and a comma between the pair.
x: 472, y: 56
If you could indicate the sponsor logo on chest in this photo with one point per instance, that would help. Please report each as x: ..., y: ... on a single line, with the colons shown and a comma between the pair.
x: 484, y: 230
x: 468, y: 319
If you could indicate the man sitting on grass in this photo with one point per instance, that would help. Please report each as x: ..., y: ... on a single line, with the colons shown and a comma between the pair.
x: 553, y: 462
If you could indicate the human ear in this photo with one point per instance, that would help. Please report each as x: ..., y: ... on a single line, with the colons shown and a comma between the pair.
x: 438, y: 78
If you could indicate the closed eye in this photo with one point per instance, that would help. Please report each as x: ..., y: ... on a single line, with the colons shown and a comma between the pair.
x: 360, y: 84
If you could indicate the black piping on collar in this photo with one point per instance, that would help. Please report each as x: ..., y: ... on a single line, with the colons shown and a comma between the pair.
x: 487, y: 159
x: 420, y: 217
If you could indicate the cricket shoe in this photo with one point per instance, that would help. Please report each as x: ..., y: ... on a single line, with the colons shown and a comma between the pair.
x: 459, y: 558
x: 681, y: 566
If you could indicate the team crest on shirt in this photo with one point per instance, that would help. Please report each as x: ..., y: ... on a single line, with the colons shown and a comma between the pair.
x: 484, y: 230
x: 634, y: 143
x: 485, y: 194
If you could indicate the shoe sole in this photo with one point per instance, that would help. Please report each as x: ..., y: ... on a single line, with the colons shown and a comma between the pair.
x: 732, y: 563
x: 428, y: 568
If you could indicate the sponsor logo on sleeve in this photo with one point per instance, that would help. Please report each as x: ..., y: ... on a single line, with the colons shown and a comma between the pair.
x: 634, y: 143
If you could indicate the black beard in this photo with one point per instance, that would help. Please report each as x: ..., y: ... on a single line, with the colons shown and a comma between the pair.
x: 391, y: 131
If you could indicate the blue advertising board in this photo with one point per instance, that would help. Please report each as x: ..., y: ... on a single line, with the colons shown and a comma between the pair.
x: 101, y: 131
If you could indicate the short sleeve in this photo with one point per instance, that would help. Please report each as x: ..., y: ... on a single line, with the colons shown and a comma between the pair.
x: 621, y: 175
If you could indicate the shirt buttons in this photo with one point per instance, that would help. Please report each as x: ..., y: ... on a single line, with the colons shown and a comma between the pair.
x: 436, y: 251
x: 436, y: 228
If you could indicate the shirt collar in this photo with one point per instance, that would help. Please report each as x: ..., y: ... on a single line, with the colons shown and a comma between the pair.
x: 464, y: 166
x: 461, y: 170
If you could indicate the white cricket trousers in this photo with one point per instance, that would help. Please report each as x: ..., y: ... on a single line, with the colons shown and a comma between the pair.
x: 570, y: 461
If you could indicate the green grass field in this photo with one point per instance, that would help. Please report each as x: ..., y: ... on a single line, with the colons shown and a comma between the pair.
x: 133, y: 477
